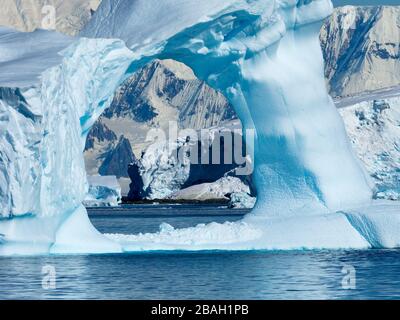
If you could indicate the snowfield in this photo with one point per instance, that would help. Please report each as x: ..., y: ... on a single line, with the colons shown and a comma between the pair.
x: 374, y: 129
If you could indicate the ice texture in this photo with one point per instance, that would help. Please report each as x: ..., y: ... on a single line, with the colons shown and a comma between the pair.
x: 104, y: 191
x: 265, y: 57
x: 42, y: 147
x: 374, y: 128
x: 25, y: 56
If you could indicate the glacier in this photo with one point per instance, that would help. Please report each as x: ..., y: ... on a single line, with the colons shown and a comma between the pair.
x: 104, y: 191
x: 265, y: 57
x: 373, y: 126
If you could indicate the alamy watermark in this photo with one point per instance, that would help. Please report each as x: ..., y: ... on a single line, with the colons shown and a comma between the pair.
x: 49, y: 17
x: 218, y: 146
x: 349, y: 280
x: 49, y: 277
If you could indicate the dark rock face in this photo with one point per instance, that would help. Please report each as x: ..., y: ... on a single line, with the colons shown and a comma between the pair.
x: 118, y: 159
x: 130, y: 100
x: 361, y: 49
x: 141, y: 95
x: 100, y: 133
x: 16, y: 100
x: 136, y: 191
x: 201, y: 172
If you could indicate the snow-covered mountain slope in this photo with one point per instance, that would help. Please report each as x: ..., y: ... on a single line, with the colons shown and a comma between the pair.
x: 168, y: 166
x: 27, y: 15
x: 374, y: 129
x: 168, y: 90
x: 161, y: 92
x: 361, y: 48
x: 221, y: 189
x: 118, y: 159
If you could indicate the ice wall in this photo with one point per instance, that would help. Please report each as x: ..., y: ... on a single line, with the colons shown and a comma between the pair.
x: 44, y: 129
x: 104, y: 191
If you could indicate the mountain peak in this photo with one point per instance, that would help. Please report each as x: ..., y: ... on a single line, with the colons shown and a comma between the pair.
x: 180, y: 70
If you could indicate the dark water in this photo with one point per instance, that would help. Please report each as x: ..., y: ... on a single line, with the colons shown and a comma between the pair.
x: 238, y: 275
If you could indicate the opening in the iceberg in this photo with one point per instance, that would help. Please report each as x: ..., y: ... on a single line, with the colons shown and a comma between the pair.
x: 267, y: 62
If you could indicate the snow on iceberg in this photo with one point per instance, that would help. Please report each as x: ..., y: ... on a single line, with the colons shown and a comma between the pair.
x: 104, y: 191
x: 43, y: 178
x: 264, y: 55
x: 25, y: 56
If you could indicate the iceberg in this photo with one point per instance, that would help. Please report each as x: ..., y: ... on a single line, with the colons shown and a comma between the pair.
x: 46, y: 122
x: 265, y: 57
x: 223, y: 189
x: 104, y: 191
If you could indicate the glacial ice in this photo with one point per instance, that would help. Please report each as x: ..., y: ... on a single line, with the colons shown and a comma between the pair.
x: 374, y: 128
x: 222, y: 189
x: 264, y: 55
x: 104, y: 191
x: 41, y: 155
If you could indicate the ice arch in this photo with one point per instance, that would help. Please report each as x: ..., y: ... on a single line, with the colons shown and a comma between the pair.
x: 264, y: 55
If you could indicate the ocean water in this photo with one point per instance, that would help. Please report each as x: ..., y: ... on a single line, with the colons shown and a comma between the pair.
x: 369, y: 274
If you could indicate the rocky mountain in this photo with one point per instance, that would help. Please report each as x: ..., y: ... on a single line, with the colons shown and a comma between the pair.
x: 161, y: 92
x: 27, y: 15
x: 99, y: 134
x: 361, y: 47
x: 118, y: 159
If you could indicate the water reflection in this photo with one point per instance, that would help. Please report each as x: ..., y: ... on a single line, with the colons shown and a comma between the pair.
x: 236, y: 275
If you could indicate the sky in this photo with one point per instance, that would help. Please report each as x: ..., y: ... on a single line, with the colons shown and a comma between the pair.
x: 365, y: 2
